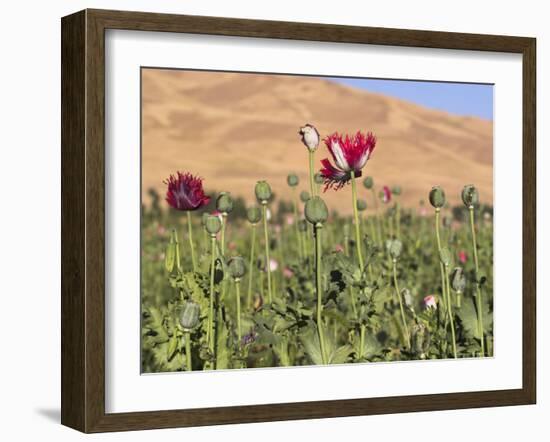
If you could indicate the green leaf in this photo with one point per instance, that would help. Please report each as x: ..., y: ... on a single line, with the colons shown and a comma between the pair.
x: 468, y: 316
x: 172, y: 346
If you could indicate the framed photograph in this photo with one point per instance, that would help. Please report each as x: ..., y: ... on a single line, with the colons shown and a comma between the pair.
x: 267, y: 220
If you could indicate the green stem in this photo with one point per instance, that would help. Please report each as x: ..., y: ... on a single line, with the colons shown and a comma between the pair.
x: 238, y: 299
x: 405, y: 328
x: 296, y: 224
x: 398, y: 219
x: 267, y: 260
x: 188, y: 351
x: 224, y: 223
x: 251, y: 267
x: 356, y: 220
x: 450, y: 310
x: 319, y: 288
x: 311, y: 173
x: 362, y: 341
x: 479, y: 303
x: 190, y: 234
x: 441, y: 267
x: 210, y: 335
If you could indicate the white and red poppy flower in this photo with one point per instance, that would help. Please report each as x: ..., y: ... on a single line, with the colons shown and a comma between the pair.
x: 430, y: 302
x: 350, y: 154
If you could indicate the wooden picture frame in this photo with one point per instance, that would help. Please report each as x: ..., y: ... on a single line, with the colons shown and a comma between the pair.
x: 83, y: 220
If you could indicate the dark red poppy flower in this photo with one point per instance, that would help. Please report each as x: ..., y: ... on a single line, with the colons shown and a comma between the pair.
x: 349, y: 154
x: 386, y: 194
x: 185, y: 192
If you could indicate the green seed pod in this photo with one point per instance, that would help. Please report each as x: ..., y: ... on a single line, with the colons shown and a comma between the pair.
x: 395, y: 247
x: 437, y: 197
x: 237, y: 267
x: 368, y: 182
x: 224, y: 202
x: 302, y: 225
x: 203, y: 219
x: 470, y: 195
x: 304, y: 196
x: 292, y: 180
x: 361, y: 205
x: 254, y: 214
x: 263, y: 192
x: 318, y: 178
x: 396, y: 190
x: 445, y: 256
x: 189, y: 315
x: 316, y: 210
x: 213, y: 224
x: 458, y: 280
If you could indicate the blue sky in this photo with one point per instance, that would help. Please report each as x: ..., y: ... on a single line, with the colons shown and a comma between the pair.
x: 469, y: 99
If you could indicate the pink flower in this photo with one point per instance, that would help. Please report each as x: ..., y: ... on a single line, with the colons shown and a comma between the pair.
x: 423, y: 211
x: 338, y: 248
x: 349, y: 154
x: 386, y: 194
x: 273, y: 265
x: 430, y: 302
x: 185, y: 192
x: 462, y: 256
x: 287, y: 273
x: 289, y: 220
x: 218, y: 214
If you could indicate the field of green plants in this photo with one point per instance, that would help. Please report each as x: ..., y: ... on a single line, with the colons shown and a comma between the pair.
x: 290, y: 283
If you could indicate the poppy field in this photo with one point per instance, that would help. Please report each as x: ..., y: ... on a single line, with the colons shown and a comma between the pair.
x: 293, y: 282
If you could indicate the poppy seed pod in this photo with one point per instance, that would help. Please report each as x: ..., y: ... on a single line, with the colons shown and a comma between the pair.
x: 318, y: 178
x: 470, y: 195
x: 437, y: 197
x: 213, y: 224
x: 458, y: 280
x: 254, y: 215
x: 292, y: 180
x: 368, y: 182
x: 304, y: 196
x: 224, y: 202
x: 395, y: 248
x: 237, y: 267
x: 445, y: 256
x: 361, y: 205
x: 189, y: 315
x: 263, y: 192
x: 396, y: 190
x: 316, y: 210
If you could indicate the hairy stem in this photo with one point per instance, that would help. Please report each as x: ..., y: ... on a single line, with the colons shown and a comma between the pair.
x: 251, y: 267
x: 267, y: 260
x: 356, y: 220
x: 479, y: 303
x: 319, y: 288
x: 188, y: 361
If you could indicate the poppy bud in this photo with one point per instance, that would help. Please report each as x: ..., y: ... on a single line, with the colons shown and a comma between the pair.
x: 258, y: 302
x: 470, y: 195
x: 310, y: 137
x: 237, y: 267
x: 304, y: 196
x: 396, y: 190
x: 361, y: 205
x: 430, y: 302
x: 437, y: 197
x: 263, y: 192
x: 458, y: 280
x: 316, y: 210
x: 213, y: 224
x: 407, y: 297
x: 224, y: 202
x: 445, y: 256
x: 292, y: 180
x: 318, y: 178
x: 368, y: 182
x: 253, y: 214
x: 189, y: 315
x: 394, y: 248
x: 420, y: 339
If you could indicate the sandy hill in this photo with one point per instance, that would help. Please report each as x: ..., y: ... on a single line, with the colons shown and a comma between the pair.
x: 235, y: 129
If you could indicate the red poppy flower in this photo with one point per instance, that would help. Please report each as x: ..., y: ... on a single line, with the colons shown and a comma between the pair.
x: 185, y: 192
x: 386, y: 194
x: 462, y: 256
x: 349, y: 154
